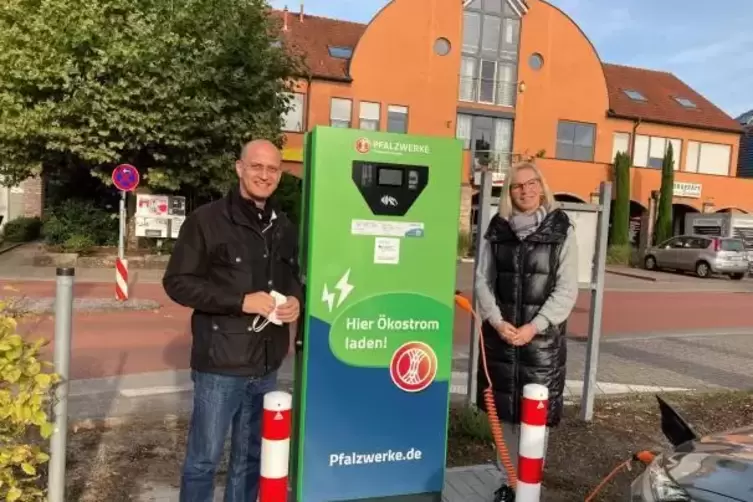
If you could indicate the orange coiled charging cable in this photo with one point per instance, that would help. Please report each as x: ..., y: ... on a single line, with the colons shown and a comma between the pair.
x: 491, y: 408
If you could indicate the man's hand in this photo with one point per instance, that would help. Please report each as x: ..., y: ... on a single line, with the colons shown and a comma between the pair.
x: 260, y: 303
x: 288, y: 312
x: 525, y: 334
x: 507, y: 331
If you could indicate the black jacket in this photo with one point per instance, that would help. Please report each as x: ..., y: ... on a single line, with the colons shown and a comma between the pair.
x: 221, y: 255
x: 526, y: 274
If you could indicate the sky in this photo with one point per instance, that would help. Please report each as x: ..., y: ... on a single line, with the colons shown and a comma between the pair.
x: 710, y: 49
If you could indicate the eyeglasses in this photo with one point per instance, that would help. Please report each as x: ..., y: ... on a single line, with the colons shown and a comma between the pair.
x: 532, y: 183
x: 261, y: 168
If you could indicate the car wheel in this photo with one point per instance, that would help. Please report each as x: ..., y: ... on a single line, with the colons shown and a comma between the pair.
x: 649, y: 263
x: 736, y: 277
x: 702, y: 269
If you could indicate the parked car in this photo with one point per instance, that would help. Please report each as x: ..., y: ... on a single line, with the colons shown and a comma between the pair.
x: 702, y: 254
x: 715, y: 468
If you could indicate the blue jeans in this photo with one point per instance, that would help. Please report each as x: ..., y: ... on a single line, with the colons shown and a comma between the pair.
x: 221, y: 402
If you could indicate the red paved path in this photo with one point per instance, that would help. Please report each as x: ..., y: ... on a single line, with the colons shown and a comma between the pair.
x: 107, y: 344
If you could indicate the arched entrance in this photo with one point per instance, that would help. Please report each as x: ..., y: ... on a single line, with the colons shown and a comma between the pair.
x: 637, y: 212
x: 678, y: 217
x: 733, y: 210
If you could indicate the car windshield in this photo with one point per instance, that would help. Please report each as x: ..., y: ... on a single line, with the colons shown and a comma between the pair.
x: 732, y: 245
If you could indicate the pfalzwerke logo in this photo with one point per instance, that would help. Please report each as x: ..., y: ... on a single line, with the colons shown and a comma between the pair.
x: 413, y: 367
x: 363, y: 145
x: 389, y: 201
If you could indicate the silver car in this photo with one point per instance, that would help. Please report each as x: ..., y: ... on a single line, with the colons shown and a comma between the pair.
x: 702, y: 254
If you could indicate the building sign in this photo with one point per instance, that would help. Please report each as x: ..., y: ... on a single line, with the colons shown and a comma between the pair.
x: 690, y: 190
x: 159, y: 216
x: 498, y: 179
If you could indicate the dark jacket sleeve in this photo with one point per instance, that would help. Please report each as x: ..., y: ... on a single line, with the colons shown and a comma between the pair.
x: 296, y: 288
x: 186, y: 278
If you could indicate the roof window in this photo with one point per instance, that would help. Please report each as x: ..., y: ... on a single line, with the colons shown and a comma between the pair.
x: 635, y: 95
x: 340, y: 52
x: 686, y: 102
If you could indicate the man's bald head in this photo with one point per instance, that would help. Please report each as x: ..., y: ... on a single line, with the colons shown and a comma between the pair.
x: 259, y: 169
x: 258, y: 144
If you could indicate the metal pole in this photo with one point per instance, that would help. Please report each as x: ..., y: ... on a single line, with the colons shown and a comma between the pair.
x: 122, y: 225
x: 62, y: 359
x: 484, y: 215
x: 597, y: 302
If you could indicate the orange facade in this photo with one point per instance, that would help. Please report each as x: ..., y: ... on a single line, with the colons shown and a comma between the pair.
x: 514, y: 77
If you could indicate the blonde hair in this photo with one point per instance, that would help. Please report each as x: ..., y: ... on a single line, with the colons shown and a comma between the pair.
x: 505, y: 201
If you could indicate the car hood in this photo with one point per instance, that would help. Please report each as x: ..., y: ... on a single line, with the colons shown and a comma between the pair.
x: 721, y: 463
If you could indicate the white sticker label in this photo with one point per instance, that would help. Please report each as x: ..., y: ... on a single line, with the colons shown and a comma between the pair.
x: 387, y: 250
x: 387, y: 228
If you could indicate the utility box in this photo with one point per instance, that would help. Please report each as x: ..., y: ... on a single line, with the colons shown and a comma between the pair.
x: 379, y: 240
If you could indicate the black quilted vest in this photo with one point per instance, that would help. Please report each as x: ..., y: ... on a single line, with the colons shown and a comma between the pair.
x: 525, y: 277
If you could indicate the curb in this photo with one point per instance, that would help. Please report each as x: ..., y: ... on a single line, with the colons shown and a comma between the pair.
x: 11, y: 247
x: 634, y: 275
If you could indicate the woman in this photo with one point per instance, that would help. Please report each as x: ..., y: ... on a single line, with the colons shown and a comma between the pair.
x: 527, y: 285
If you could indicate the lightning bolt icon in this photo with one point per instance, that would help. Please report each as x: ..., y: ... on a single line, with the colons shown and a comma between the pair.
x: 344, y: 287
x: 328, y: 298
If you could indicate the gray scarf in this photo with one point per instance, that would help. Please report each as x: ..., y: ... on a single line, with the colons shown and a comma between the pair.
x: 525, y: 224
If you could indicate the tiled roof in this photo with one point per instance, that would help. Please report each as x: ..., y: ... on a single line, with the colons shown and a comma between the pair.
x: 312, y: 38
x: 660, y: 90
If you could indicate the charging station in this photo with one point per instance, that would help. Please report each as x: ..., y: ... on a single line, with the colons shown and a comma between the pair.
x: 379, y: 237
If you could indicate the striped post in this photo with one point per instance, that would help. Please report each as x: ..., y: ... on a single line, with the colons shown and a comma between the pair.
x: 121, y: 279
x: 275, y: 447
x: 532, y: 446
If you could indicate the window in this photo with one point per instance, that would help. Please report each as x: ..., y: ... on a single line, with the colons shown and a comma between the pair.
x: 471, y: 32
x: 369, y: 116
x: 510, y: 36
x: 340, y: 52
x: 442, y: 46
x: 536, y: 61
x: 292, y: 121
x: 620, y: 143
x: 650, y: 151
x: 463, y: 130
x: 467, y: 79
x: 507, y: 86
x: 708, y: 158
x: 575, y: 141
x: 340, y: 112
x: 685, y: 102
x: 491, y: 36
x: 397, y: 119
x: 635, y: 95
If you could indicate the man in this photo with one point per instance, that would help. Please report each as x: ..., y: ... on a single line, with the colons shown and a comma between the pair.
x: 230, y: 255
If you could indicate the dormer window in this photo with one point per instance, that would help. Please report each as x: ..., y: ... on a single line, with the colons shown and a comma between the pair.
x: 635, y: 95
x: 685, y: 102
x: 340, y: 52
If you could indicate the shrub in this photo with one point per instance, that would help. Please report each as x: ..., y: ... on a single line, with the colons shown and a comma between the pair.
x: 76, y: 218
x: 25, y: 391
x: 464, y: 243
x: 24, y: 229
x: 620, y: 255
x: 472, y: 423
x: 81, y: 244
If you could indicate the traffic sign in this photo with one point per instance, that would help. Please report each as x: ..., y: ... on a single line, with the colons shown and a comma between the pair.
x: 126, y: 177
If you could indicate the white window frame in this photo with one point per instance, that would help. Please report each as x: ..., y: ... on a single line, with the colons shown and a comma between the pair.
x: 295, y: 114
x: 369, y: 114
x: 341, y: 121
x: 695, y: 155
x: 620, y: 137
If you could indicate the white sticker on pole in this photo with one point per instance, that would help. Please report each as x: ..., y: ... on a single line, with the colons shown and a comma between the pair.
x: 387, y: 251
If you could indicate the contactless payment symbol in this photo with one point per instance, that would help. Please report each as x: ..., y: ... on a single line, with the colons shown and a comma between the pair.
x: 413, y: 367
x: 363, y: 145
x: 125, y: 177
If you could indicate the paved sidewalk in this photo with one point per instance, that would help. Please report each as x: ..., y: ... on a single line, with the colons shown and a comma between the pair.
x: 462, y: 484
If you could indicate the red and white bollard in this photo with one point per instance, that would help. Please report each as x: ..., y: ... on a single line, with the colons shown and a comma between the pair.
x: 275, y: 447
x: 121, y: 279
x: 532, y: 446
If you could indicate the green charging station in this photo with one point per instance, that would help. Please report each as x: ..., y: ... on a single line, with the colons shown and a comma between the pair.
x: 374, y: 350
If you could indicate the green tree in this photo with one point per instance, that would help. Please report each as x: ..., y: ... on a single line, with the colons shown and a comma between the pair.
x: 620, y: 231
x: 174, y: 87
x: 664, y: 212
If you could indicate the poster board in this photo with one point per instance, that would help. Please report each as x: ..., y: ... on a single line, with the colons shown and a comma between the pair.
x: 586, y: 222
x: 159, y: 216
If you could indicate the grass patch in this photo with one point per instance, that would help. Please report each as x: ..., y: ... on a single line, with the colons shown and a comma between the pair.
x: 113, y: 463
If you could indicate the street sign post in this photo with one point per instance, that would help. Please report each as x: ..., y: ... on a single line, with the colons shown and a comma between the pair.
x: 126, y: 178
x: 374, y: 350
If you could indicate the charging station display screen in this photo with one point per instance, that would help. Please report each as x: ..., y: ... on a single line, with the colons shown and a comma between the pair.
x: 390, y: 177
x: 384, y: 185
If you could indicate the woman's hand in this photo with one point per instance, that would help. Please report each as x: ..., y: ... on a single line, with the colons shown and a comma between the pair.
x: 507, y: 332
x: 525, y: 334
